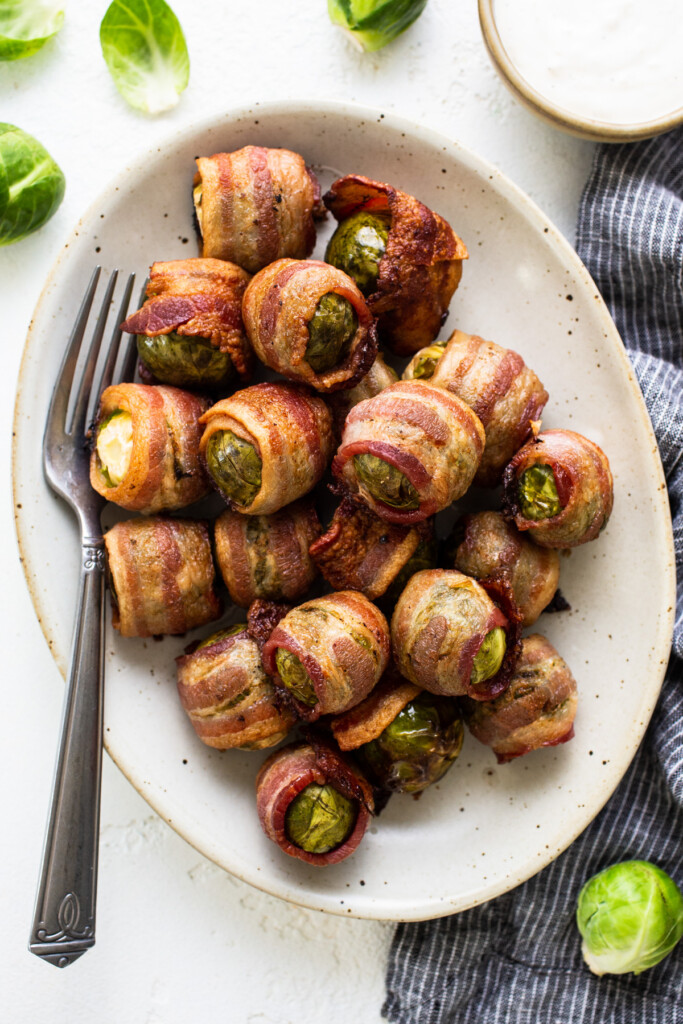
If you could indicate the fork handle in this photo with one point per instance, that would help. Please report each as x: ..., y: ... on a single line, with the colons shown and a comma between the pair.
x: 64, y: 921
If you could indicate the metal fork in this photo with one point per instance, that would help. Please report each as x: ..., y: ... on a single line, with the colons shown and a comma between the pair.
x: 64, y: 921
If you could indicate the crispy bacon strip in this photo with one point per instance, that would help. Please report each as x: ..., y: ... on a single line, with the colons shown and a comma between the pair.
x: 537, y: 710
x: 584, y: 486
x: 371, y: 717
x: 197, y: 298
x: 506, y: 395
x: 431, y: 436
x: 420, y: 269
x: 161, y: 576
x: 165, y: 471
x: 342, y: 640
x: 257, y: 205
x: 288, y: 772
x: 263, y: 617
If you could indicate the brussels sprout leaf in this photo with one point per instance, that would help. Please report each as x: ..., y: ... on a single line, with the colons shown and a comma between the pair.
x: 146, y: 53
x: 26, y: 25
x: 31, y: 184
x: 372, y: 24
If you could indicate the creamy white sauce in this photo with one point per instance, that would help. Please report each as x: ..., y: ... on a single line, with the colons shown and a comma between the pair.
x: 619, y: 61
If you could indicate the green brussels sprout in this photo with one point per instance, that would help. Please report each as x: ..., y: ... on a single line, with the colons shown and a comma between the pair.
x: 114, y: 446
x: 320, y: 818
x: 630, y: 917
x: 235, y: 465
x: 489, y: 657
x: 31, y: 184
x: 385, y: 482
x: 26, y: 27
x: 222, y: 634
x: 295, y: 677
x: 423, y: 364
x: 537, y: 491
x: 358, y: 245
x: 331, y: 330
x: 185, y: 362
x: 371, y: 24
x: 418, y: 747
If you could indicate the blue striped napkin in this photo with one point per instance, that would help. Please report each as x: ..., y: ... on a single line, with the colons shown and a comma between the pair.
x: 517, y: 960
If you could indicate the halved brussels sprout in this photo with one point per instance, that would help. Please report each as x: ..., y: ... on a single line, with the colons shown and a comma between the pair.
x: 320, y: 818
x: 385, y: 482
x: 423, y: 363
x: 185, y: 362
x: 331, y: 330
x: 371, y: 24
x: 489, y: 657
x: 418, y: 747
x: 295, y: 677
x: 235, y: 465
x: 222, y: 634
x: 115, y: 446
x: 538, y: 498
x: 358, y: 245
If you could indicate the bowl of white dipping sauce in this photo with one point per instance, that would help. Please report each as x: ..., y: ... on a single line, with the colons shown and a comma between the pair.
x: 608, y: 70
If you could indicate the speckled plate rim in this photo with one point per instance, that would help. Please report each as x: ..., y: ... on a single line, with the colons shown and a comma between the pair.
x: 582, y: 127
x: 158, y: 799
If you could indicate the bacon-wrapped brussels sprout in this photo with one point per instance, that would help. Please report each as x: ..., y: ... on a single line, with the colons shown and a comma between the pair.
x: 449, y: 637
x: 146, y: 448
x: 405, y: 258
x: 378, y: 377
x: 313, y: 803
x: 559, y: 488
x: 404, y: 738
x: 506, y: 395
x: 256, y: 205
x: 489, y: 545
x: 161, y: 576
x: 537, y: 709
x: 189, y: 330
x: 308, y: 321
x: 227, y: 695
x: 410, y: 451
x: 267, y: 556
x: 328, y: 653
x: 266, y: 446
x: 423, y: 364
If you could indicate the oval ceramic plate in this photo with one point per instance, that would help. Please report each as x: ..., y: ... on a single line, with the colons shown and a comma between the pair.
x: 484, y: 828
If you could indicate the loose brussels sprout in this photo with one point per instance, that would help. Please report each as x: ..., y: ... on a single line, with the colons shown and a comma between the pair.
x: 537, y: 491
x: 489, y: 657
x: 358, y: 245
x: 331, y: 330
x: 423, y: 363
x: 320, y: 819
x: 295, y: 677
x: 418, y: 747
x: 385, y: 482
x: 185, y: 362
x: 630, y: 917
x: 371, y: 24
x: 222, y: 634
x: 31, y: 184
x: 115, y: 446
x: 235, y: 465
x: 26, y: 26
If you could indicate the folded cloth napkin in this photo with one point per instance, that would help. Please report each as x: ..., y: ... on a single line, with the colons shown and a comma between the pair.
x: 517, y: 959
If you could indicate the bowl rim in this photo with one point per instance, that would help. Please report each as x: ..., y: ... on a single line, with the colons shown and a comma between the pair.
x: 584, y: 127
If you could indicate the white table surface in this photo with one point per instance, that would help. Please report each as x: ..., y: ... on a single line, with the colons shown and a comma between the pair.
x: 177, y: 938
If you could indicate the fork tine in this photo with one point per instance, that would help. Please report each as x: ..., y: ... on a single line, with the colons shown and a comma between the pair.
x: 83, y: 374
x: 124, y: 369
x: 107, y: 357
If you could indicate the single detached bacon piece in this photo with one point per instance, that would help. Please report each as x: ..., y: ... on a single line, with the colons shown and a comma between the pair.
x: 146, y: 448
x: 419, y: 269
x: 410, y: 451
x: 328, y: 653
x: 161, y: 576
x: 256, y: 205
x: 506, y: 395
x: 228, y: 697
x: 378, y: 377
x: 267, y: 556
x: 196, y: 299
x: 309, y: 321
x: 490, y: 545
x: 362, y: 552
x: 313, y: 803
x: 559, y: 488
x: 537, y: 709
x: 266, y: 446
x: 450, y: 638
